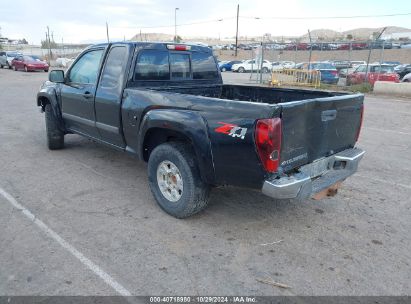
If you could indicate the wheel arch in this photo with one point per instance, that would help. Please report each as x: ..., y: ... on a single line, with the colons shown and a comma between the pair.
x: 49, y: 96
x: 161, y: 126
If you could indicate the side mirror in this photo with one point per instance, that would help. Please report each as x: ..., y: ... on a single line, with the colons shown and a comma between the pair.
x: 56, y: 76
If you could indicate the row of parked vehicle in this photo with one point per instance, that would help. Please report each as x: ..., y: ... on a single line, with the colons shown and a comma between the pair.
x: 324, y: 46
x: 355, y: 72
x: 18, y: 61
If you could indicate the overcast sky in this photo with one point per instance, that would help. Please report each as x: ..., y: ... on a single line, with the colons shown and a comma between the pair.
x: 84, y: 20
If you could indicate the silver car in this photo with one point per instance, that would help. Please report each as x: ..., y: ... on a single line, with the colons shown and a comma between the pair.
x: 6, y: 57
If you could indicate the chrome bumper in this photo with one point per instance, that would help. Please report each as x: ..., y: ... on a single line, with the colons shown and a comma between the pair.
x: 315, y: 177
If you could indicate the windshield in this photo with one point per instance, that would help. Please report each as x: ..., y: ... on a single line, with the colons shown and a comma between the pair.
x: 322, y: 66
x: 28, y: 58
x: 12, y: 55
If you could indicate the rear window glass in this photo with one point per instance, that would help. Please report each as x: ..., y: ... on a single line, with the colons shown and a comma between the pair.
x: 382, y: 69
x: 180, y: 65
x: 152, y: 65
x: 204, y: 66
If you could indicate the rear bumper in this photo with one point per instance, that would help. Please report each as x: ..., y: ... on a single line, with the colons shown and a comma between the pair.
x: 314, y: 177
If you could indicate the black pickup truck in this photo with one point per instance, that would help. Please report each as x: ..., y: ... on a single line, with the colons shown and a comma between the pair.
x: 167, y: 105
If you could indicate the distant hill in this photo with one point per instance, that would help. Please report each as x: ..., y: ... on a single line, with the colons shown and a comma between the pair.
x: 317, y: 34
x: 365, y: 33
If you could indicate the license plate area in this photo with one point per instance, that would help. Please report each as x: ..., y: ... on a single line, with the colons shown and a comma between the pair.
x: 318, y: 167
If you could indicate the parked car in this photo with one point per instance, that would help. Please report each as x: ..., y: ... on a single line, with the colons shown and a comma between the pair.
x: 251, y: 65
x: 396, y: 45
x: 359, y: 46
x: 340, y: 64
x: 166, y: 104
x: 329, y: 73
x: 402, y: 69
x: 28, y: 63
x: 356, y: 63
x: 406, y: 46
x: 279, y: 65
x: 353, y: 66
x: 375, y: 72
x: 406, y: 78
x: 6, y: 57
x: 379, y: 44
x: 226, y: 66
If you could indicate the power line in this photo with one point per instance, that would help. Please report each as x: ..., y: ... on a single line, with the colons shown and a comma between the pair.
x: 328, y: 17
x: 262, y: 18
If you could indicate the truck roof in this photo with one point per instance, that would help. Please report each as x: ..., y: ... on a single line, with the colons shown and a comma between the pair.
x: 157, y: 45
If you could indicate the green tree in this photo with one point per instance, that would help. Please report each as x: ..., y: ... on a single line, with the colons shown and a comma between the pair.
x: 349, y: 37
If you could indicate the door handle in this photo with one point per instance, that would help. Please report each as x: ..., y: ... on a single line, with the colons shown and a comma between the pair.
x: 87, y: 95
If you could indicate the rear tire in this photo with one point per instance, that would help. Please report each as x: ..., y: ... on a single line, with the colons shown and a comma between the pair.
x: 55, y: 137
x: 265, y: 70
x: 26, y: 69
x: 191, y: 193
x: 46, y: 70
x: 223, y: 69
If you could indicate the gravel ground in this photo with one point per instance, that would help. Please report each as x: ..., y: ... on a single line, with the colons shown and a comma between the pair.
x: 98, y: 201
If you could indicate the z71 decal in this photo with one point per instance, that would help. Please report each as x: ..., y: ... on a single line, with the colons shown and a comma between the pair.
x: 231, y: 130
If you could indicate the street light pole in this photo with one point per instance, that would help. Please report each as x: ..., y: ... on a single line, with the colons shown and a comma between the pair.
x: 175, y: 24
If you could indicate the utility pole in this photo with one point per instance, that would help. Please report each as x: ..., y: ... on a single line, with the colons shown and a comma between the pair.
x: 48, y: 41
x: 141, y: 37
x: 108, y: 38
x: 311, y: 49
x: 236, y: 33
x: 369, y: 52
x: 62, y: 46
x: 175, y: 24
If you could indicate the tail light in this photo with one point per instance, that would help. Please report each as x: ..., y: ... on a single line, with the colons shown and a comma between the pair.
x: 361, y: 119
x: 334, y: 73
x: 268, y: 142
x: 178, y: 47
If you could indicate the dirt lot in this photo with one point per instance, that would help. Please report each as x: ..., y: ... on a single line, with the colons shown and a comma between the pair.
x: 98, y: 204
x: 401, y: 55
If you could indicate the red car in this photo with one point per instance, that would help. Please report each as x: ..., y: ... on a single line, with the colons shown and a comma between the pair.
x: 376, y: 72
x: 28, y: 63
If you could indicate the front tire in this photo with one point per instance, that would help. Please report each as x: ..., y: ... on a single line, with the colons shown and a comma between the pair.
x: 175, y: 180
x: 223, y: 69
x: 241, y: 70
x: 265, y: 70
x: 15, y: 68
x: 55, y: 137
x: 26, y: 69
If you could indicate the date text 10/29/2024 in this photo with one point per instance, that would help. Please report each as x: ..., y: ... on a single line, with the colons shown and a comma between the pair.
x: 204, y: 299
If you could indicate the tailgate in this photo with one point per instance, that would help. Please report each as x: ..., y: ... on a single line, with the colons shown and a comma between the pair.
x: 317, y: 128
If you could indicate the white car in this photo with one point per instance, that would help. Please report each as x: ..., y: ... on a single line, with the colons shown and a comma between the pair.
x: 406, y: 78
x: 251, y: 65
x: 280, y: 65
x: 6, y: 58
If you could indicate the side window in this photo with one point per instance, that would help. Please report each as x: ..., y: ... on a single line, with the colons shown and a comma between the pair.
x: 85, y: 70
x: 361, y: 69
x: 152, y: 65
x: 113, y: 72
x: 204, y: 66
x: 180, y: 66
